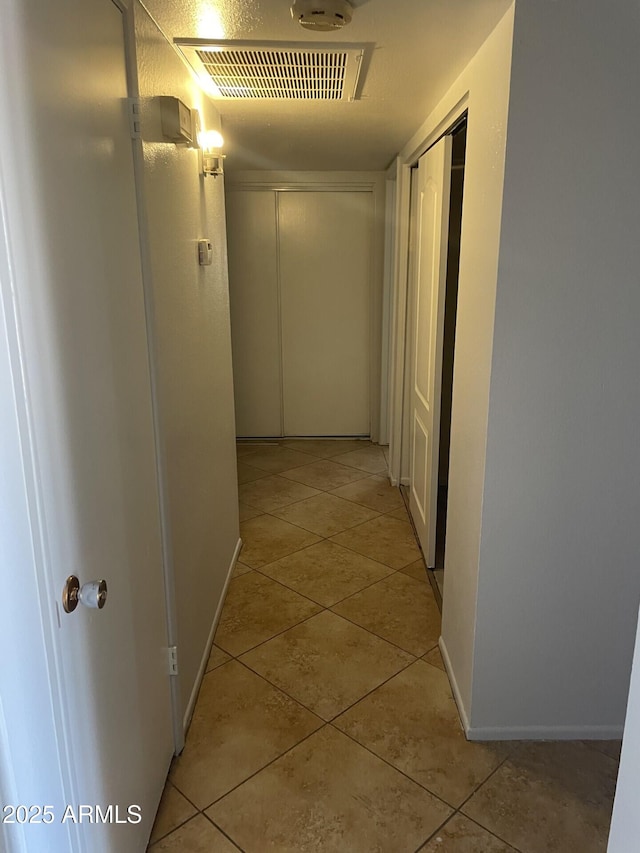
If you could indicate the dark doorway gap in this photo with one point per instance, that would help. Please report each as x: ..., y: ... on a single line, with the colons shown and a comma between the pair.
x: 459, y: 135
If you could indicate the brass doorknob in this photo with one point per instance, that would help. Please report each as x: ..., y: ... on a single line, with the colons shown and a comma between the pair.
x: 70, y: 594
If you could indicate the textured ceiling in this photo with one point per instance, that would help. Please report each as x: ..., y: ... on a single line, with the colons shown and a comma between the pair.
x: 419, y: 48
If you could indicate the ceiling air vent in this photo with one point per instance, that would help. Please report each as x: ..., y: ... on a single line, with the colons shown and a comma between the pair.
x: 234, y: 70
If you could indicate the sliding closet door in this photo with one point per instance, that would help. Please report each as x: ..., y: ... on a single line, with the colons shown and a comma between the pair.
x: 255, y: 320
x: 325, y: 259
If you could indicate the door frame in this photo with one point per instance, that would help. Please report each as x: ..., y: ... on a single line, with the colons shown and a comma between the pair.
x: 372, y: 182
x: 180, y: 716
x: 401, y: 338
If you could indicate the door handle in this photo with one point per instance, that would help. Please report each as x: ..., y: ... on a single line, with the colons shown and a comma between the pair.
x: 92, y: 594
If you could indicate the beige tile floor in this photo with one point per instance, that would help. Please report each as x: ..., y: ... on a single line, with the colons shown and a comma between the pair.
x: 325, y: 721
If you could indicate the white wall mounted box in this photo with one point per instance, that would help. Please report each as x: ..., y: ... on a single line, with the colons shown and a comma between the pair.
x: 177, y: 124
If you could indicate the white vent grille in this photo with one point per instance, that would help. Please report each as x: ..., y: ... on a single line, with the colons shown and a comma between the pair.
x: 241, y: 71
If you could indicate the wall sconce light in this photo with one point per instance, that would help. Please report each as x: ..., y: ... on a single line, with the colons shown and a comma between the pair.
x: 183, y: 126
x: 211, y: 142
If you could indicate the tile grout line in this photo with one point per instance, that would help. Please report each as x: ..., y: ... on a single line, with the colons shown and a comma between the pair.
x: 222, y: 832
x: 260, y: 512
x: 373, y: 633
x: 330, y: 723
x: 331, y: 493
x: 184, y: 822
x: 397, y: 770
x: 184, y: 795
x: 306, y: 530
x: 173, y: 829
x: 321, y: 538
x: 484, y: 781
x: 490, y: 832
x: 273, y: 636
x: 327, y: 606
x: 458, y: 811
x: 325, y: 491
x: 314, y: 459
x: 327, y: 539
x: 288, y: 695
x: 393, y: 572
x: 476, y: 790
x: 330, y: 610
x: 367, y: 694
x: 434, y: 833
x: 344, y: 710
x: 202, y: 811
x: 337, y: 533
x: 455, y: 810
x: 367, y: 443
x: 333, y: 459
x: 330, y: 490
x: 349, y: 548
x: 264, y: 767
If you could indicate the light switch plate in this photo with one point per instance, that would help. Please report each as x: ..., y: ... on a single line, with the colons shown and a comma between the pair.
x: 205, y: 253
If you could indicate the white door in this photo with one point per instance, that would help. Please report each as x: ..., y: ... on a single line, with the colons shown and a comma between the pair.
x: 80, y: 304
x: 325, y: 274
x: 255, y: 312
x: 432, y: 211
x: 300, y: 292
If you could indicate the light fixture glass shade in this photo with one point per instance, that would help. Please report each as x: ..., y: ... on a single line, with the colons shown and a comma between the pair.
x: 210, y: 140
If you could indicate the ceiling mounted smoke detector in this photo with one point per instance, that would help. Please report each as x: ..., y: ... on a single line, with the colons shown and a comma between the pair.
x: 322, y: 15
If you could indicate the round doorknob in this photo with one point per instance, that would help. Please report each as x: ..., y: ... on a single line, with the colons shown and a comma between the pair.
x: 94, y: 594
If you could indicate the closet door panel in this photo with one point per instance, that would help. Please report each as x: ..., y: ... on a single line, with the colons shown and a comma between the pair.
x: 325, y: 258
x: 255, y: 322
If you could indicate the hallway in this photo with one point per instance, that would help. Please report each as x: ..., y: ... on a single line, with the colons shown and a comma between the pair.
x: 325, y: 721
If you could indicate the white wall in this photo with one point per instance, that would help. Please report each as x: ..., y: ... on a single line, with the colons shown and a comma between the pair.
x: 625, y: 823
x: 558, y: 581
x: 483, y: 88
x: 193, y: 354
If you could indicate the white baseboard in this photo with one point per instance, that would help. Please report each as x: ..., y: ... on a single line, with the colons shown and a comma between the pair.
x: 485, y: 733
x: 482, y: 733
x: 462, y: 711
x: 405, y: 481
x: 207, y: 650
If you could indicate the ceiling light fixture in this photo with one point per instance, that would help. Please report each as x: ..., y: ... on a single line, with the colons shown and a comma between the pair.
x: 322, y: 15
